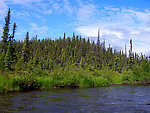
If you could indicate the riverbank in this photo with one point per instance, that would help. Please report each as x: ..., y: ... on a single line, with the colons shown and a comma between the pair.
x: 68, y: 77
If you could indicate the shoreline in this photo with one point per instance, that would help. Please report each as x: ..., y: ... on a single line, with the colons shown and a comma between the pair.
x: 68, y: 78
x: 125, y: 83
x: 133, y: 83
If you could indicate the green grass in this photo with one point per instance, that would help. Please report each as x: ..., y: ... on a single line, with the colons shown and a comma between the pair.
x: 7, y: 84
x: 66, y: 77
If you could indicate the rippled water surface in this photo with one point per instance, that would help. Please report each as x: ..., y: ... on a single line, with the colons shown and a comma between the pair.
x: 117, y: 99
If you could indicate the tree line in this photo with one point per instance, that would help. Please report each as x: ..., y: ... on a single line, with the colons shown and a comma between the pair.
x: 48, y: 54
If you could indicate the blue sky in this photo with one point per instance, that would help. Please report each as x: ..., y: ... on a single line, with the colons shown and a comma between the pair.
x: 119, y: 20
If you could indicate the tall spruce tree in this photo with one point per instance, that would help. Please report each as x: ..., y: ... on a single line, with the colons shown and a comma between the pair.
x: 25, y: 49
x: 5, y: 35
x: 131, y: 56
x: 11, y: 38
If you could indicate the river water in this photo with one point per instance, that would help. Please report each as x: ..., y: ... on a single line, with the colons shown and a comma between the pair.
x: 116, y: 99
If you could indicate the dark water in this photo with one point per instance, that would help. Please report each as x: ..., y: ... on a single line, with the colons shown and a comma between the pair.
x: 118, y: 99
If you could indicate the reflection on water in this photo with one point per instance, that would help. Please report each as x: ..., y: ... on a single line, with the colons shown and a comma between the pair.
x: 124, y: 99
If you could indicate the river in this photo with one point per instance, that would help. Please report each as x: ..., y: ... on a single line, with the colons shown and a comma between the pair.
x: 115, y: 99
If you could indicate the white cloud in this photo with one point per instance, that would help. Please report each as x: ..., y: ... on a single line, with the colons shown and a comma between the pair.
x: 86, y: 12
x: 36, y: 28
x: 88, y: 31
x: 3, y: 8
x: 45, y: 11
x: 22, y: 2
x: 63, y: 6
x: 143, y: 48
x: 67, y: 7
x: 56, y: 6
x: 33, y: 5
x: 44, y: 6
x: 111, y: 8
x: 139, y: 15
x: 117, y: 26
x: 22, y: 13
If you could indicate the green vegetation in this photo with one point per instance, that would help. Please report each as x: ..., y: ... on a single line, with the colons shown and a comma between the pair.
x: 68, y: 77
x: 66, y: 62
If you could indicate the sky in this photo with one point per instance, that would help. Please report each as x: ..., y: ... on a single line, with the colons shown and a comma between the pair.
x: 118, y: 20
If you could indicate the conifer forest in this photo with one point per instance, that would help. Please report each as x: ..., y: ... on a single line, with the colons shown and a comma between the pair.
x: 66, y: 62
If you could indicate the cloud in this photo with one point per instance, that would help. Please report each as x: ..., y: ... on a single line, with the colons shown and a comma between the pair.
x: 22, y: 14
x: 41, y: 6
x: 86, y: 12
x: 67, y: 7
x: 111, y: 8
x: 63, y: 6
x: 142, y: 48
x: 139, y: 15
x: 88, y: 31
x: 56, y: 6
x: 3, y: 8
x: 118, y: 25
x: 36, y: 28
x: 44, y: 6
x: 45, y: 11
x: 22, y: 2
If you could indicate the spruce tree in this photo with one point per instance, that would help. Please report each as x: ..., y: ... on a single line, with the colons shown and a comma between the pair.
x: 2, y: 57
x: 131, y: 56
x: 116, y: 63
x: 11, y: 38
x: 36, y: 58
x: 5, y: 35
x: 25, y: 49
x: 8, y: 58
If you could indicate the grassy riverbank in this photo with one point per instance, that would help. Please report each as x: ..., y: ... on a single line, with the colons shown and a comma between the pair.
x: 68, y: 77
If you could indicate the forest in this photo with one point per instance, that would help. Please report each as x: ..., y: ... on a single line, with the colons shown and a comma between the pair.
x: 66, y: 62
